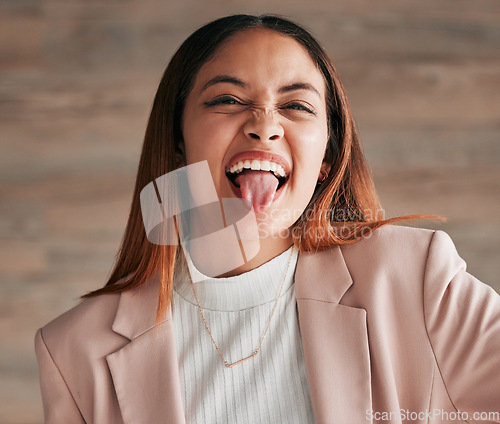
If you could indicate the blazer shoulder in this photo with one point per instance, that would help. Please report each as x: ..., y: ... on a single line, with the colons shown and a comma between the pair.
x: 392, y: 242
x: 389, y: 257
x: 82, y: 324
x: 400, y: 258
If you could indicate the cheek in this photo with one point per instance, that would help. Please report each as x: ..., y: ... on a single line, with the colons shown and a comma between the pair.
x: 308, y: 150
x: 209, y: 139
x: 205, y: 139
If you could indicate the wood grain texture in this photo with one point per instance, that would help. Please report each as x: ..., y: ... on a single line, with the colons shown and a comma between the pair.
x: 76, y: 83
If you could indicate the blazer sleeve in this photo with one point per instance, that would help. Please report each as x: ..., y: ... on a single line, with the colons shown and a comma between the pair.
x: 463, y: 324
x: 58, y: 403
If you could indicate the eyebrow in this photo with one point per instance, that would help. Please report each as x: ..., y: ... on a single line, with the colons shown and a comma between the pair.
x: 299, y: 86
x: 224, y: 78
x: 232, y: 80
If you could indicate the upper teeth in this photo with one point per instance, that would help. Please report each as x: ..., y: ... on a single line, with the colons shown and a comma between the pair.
x: 257, y: 165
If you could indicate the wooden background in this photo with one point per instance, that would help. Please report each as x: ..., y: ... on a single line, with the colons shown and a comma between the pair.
x: 77, y: 80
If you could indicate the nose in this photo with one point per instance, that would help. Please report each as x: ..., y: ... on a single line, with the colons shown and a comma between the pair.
x: 263, y: 125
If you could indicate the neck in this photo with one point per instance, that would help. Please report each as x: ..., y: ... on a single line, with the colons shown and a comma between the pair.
x: 267, y: 249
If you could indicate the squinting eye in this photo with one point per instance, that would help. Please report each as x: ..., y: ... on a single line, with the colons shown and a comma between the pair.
x: 224, y: 100
x: 299, y: 106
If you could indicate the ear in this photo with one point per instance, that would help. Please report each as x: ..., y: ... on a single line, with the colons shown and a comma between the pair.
x: 180, y: 154
x: 325, y: 165
x: 324, y: 171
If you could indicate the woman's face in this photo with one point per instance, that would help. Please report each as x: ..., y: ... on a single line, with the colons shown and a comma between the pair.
x: 260, y: 103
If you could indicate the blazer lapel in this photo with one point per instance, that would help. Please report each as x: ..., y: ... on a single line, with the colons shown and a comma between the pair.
x: 145, y: 371
x: 334, y: 338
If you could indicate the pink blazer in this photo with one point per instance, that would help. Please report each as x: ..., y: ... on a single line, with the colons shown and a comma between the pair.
x: 391, y: 325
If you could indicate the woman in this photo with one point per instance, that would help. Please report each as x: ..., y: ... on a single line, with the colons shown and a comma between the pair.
x: 331, y: 316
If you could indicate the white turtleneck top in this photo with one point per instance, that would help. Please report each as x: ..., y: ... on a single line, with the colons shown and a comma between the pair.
x: 269, y: 388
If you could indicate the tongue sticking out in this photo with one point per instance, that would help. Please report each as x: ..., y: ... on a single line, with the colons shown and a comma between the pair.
x: 258, y: 187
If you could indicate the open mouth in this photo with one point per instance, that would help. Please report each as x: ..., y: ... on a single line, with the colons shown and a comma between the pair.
x: 248, y: 166
x: 259, y: 182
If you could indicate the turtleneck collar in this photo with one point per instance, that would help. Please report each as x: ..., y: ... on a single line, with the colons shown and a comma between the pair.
x: 248, y: 290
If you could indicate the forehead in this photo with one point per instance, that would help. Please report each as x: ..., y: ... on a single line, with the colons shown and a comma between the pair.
x: 264, y: 56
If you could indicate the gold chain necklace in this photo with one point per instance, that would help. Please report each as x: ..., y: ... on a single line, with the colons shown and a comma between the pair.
x: 256, y: 351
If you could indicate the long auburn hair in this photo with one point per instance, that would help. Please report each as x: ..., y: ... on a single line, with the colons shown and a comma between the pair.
x: 343, y: 209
